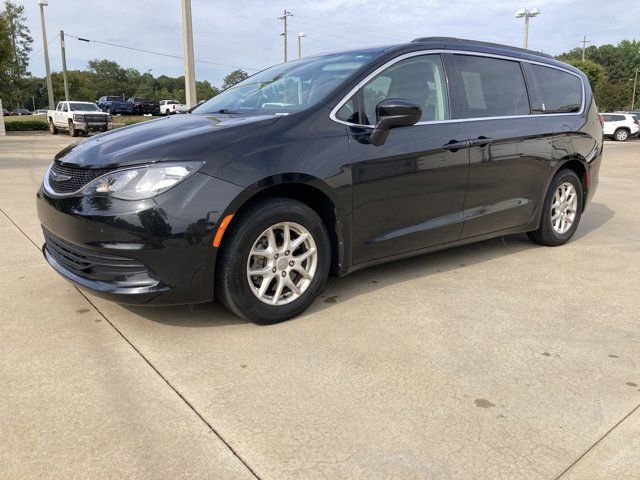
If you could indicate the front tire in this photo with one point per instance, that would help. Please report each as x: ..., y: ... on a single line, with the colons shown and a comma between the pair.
x: 562, y: 210
x: 621, y: 135
x: 274, y: 262
x: 73, y: 132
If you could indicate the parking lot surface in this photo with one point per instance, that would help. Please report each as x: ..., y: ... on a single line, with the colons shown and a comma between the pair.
x: 498, y: 360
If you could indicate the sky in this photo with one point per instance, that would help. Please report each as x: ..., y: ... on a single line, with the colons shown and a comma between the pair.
x: 246, y: 33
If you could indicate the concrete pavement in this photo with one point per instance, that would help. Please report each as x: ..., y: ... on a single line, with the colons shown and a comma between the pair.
x: 501, y: 359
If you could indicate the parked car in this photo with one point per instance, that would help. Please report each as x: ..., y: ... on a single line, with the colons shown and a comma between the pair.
x: 21, y: 111
x: 40, y: 112
x: 636, y: 117
x: 143, y: 105
x: 78, y: 117
x: 620, y: 126
x: 328, y: 164
x: 5, y: 112
x: 114, y: 105
x: 169, y: 107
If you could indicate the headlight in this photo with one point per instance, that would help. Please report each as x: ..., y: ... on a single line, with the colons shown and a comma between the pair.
x: 78, y: 117
x: 140, y: 182
x: 109, y: 118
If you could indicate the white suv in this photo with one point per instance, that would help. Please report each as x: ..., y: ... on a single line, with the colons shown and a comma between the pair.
x: 620, y: 126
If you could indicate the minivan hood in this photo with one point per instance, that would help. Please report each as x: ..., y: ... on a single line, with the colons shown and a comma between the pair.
x: 174, y: 138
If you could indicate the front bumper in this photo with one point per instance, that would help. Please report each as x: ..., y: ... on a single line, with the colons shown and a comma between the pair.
x: 93, y: 126
x: 155, y: 251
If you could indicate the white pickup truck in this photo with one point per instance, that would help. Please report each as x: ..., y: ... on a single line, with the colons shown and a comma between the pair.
x: 169, y: 107
x: 78, y: 117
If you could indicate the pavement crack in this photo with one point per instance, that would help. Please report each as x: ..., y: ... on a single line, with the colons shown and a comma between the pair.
x: 21, y: 231
x: 148, y: 362
x: 597, y: 442
x: 182, y: 397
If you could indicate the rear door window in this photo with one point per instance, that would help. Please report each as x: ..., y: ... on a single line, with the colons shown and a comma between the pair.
x: 488, y: 87
x: 557, y: 91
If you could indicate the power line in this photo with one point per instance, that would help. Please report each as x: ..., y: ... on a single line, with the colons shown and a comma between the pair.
x: 33, y: 54
x: 333, y: 35
x: 84, y: 39
x: 334, y: 24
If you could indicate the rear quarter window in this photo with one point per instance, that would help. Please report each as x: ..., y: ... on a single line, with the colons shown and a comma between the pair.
x: 557, y: 91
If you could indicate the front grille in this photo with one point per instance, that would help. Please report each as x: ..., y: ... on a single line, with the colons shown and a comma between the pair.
x: 79, y: 177
x: 95, y: 265
x: 95, y: 118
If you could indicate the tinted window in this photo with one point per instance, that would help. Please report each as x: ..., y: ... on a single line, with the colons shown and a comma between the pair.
x: 489, y: 87
x: 419, y: 79
x: 559, y: 91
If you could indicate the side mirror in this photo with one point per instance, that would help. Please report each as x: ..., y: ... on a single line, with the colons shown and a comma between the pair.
x: 393, y: 113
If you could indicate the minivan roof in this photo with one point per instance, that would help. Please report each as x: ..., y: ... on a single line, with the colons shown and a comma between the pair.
x: 453, y: 41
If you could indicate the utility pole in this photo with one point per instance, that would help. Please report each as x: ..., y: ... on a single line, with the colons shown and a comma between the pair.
x: 633, y: 98
x: 285, y: 33
x: 64, y: 66
x: 44, y: 3
x: 189, y: 62
x: 584, y: 42
x: 300, y: 36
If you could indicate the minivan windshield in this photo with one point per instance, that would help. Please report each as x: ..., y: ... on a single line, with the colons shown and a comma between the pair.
x: 288, y: 87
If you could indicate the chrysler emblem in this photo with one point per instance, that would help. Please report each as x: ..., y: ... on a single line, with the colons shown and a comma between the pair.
x: 59, y: 177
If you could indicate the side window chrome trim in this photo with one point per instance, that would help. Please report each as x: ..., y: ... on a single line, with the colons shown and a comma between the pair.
x: 361, y: 83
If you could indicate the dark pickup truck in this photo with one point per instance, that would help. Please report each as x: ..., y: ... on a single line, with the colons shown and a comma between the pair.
x: 114, y: 104
x: 143, y: 105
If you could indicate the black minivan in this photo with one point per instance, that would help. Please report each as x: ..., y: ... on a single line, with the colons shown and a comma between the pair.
x: 325, y: 165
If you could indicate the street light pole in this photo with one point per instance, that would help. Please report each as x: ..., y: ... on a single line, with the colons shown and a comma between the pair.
x: 64, y: 66
x: 527, y: 14
x: 300, y: 35
x: 44, y: 3
x: 189, y: 62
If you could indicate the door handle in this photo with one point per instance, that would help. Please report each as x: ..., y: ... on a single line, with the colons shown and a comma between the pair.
x: 454, y: 145
x: 481, y: 142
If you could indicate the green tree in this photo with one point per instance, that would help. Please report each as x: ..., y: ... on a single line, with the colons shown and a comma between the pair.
x: 14, y: 70
x: 594, y: 71
x: 234, y: 77
x: 205, y: 91
x: 614, y: 89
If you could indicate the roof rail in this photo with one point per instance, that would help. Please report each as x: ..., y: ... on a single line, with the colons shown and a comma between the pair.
x: 454, y: 40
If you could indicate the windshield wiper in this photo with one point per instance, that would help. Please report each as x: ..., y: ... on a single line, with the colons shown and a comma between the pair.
x: 225, y: 110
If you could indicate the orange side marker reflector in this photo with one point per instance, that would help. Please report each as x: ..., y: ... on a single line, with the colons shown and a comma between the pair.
x: 223, y: 226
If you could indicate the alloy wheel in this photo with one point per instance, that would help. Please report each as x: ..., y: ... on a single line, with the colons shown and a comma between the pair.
x: 564, y: 208
x: 282, y: 263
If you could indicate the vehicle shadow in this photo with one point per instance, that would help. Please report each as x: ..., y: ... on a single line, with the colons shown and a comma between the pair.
x: 371, y: 279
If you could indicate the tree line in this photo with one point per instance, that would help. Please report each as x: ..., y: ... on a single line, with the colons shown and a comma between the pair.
x: 611, y: 70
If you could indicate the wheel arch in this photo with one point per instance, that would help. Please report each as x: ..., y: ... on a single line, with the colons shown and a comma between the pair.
x: 311, y: 191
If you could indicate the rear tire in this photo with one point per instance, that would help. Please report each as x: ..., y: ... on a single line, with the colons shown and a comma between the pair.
x: 52, y: 128
x: 621, y: 135
x: 561, y: 210
x: 283, y: 263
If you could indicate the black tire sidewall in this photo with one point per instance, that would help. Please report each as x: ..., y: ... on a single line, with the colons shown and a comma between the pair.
x: 551, y: 235
x: 232, y: 282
